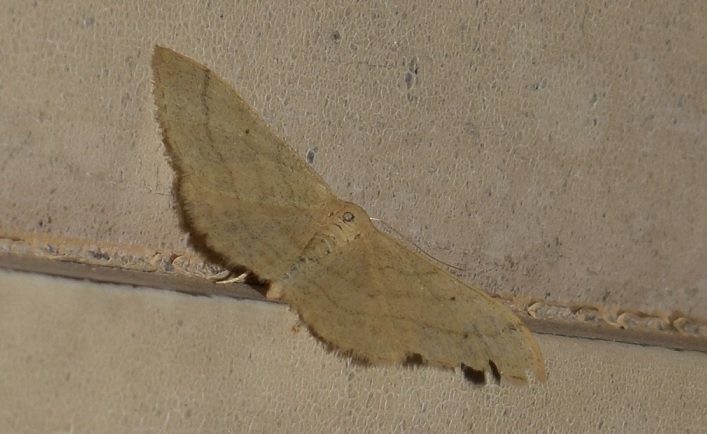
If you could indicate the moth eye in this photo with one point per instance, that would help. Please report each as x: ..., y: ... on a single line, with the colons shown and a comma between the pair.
x: 348, y: 217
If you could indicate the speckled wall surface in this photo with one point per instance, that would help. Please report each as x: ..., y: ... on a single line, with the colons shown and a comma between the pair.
x: 555, y: 154
x: 103, y: 358
x: 551, y: 152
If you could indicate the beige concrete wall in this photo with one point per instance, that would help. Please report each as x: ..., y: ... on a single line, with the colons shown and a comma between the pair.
x: 557, y: 154
x: 550, y: 151
x: 82, y: 357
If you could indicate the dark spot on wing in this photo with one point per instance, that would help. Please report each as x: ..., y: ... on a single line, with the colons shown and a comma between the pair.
x: 413, y: 359
x: 473, y: 375
x: 494, y: 371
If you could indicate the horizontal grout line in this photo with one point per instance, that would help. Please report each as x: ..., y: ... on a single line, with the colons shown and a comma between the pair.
x: 155, y: 280
x: 204, y: 287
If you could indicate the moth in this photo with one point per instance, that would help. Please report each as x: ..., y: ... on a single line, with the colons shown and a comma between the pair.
x: 250, y: 198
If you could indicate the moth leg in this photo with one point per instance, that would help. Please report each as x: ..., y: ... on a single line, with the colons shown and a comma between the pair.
x: 227, y: 276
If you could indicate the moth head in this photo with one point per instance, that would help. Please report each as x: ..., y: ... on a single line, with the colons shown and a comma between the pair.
x: 350, y: 221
